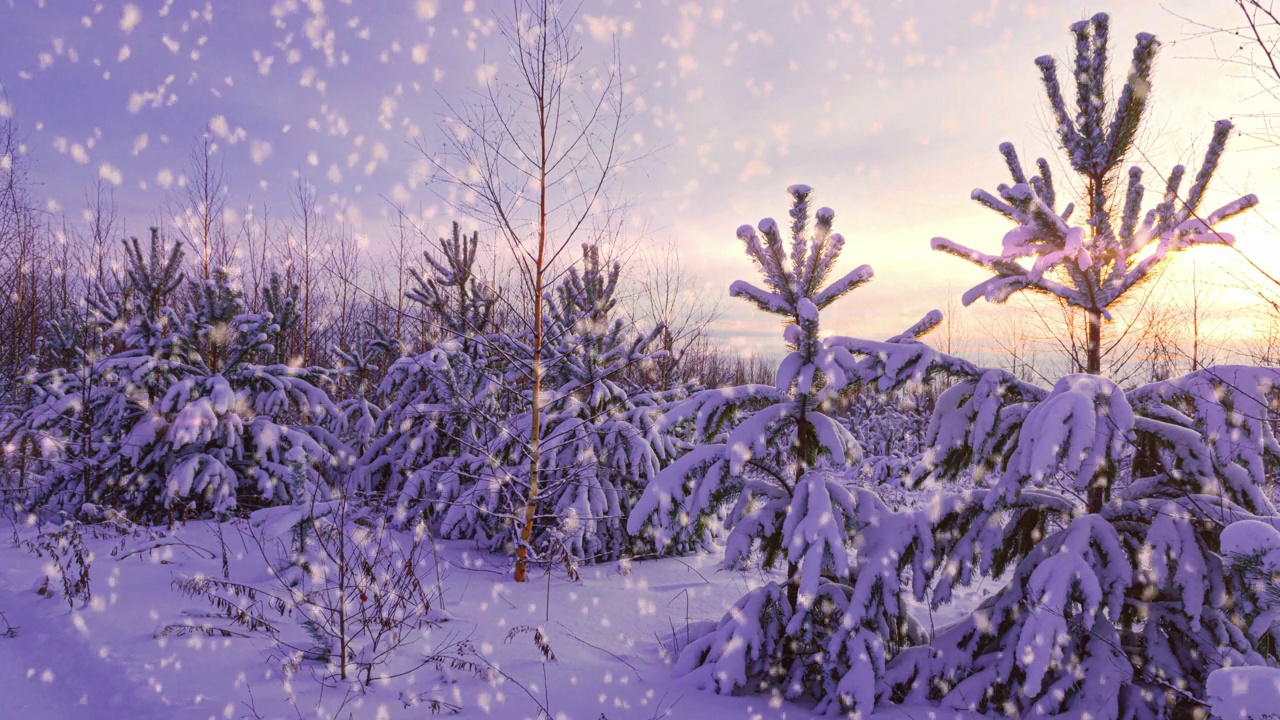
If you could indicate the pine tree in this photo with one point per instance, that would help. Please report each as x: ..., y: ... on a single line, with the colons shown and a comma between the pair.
x: 1091, y: 266
x: 272, y: 412
x: 441, y: 404
x: 601, y: 443
x: 206, y: 419
x: 890, y: 430
x: 1106, y: 508
x: 358, y: 412
x: 769, y: 466
x: 143, y: 317
x: 98, y: 370
x: 141, y: 362
x: 64, y: 444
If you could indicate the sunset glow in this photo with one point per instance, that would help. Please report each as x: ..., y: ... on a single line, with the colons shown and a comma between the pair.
x: 893, y: 113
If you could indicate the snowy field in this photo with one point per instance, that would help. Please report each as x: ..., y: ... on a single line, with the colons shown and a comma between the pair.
x: 610, y: 633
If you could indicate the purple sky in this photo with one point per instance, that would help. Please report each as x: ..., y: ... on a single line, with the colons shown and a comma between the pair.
x: 892, y: 111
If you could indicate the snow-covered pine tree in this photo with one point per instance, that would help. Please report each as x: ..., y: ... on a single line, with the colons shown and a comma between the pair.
x: 109, y: 367
x: 142, y: 317
x: 1107, y: 507
x: 358, y: 413
x: 890, y: 430
x: 768, y: 465
x: 63, y: 444
x: 280, y: 301
x: 140, y: 337
x: 227, y: 429
x: 601, y: 443
x: 460, y: 302
x: 431, y: 439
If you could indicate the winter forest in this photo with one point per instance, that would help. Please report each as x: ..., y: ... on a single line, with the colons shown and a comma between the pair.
x: 494, y: 359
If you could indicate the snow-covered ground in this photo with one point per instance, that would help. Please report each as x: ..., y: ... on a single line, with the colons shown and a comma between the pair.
x: 607, y: 632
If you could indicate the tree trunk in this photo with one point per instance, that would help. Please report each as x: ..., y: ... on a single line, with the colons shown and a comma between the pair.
x: 1100, y: 484
x: 535, y: 431
x: 1094, y: 343
x: 793, y: 584
x: 806, y: 457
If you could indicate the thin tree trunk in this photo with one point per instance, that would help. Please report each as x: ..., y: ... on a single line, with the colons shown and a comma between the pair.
x: 806, y: 457
x: 535, y: 432
x: 1100, y: 483
x: 1093, y: 343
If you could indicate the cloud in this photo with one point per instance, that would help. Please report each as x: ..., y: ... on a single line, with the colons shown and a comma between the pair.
x: 755, y: 168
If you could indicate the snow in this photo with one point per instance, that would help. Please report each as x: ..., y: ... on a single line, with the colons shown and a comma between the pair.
x: 612, y: 633
x: 1241, y: 693
x: 57, y: 668
x: 1069, y: 552
x: 1079, y: 428
x: 1253, y: 538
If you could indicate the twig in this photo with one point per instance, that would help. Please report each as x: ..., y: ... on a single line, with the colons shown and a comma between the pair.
x: 571, y: 634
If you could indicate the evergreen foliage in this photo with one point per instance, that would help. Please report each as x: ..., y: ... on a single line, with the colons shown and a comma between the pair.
x: 61, y: 445
x: 441, y: 404
x: 766, y: 467
x: 149, y: 409
x: 1101, y: 511
x: 601, y: 441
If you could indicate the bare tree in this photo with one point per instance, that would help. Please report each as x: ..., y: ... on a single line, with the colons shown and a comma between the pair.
x: 1263, y: 347
x: 255, y: 237
x: 1017, y: 341
x: 403, y: 250
x: 1158, y: 358
x: 25, y: 275
x: 1201, y: 346
x: 198, y: 205
x: 952, y: 330
x: 667, y: 298
x: 710, y: 364
x: 1248, y: 48
x: 532, y: 156
x: 346, y: 263
x: 102, y: 230
x: 302, y: 248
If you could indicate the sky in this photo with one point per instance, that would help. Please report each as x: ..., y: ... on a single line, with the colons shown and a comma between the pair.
x: 892, y: 111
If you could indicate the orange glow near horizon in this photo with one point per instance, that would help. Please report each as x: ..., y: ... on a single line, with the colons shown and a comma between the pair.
x: 892, y: 113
